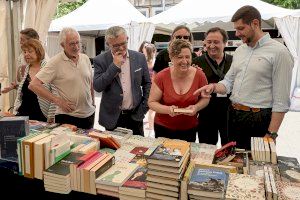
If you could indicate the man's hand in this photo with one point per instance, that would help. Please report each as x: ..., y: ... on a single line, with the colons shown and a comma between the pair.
x: 66, y: 106
x: 205, y: 91
x: 119, y: 58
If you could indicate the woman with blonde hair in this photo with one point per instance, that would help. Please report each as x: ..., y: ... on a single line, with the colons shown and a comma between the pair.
x: 27, y: 102
x: 173, y: 88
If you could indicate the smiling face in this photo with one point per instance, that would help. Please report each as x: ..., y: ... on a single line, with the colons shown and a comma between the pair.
x: 183, y: 60
x: 215, y: 44
x: 118, y: 44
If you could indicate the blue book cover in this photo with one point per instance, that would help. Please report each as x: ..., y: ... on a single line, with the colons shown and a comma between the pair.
x: 208, y: 180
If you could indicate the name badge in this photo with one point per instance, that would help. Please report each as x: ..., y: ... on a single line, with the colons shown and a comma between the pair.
x: 221, y: 95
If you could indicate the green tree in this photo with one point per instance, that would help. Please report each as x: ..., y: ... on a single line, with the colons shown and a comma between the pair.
x: 292, y: 4
x: 65, y: 8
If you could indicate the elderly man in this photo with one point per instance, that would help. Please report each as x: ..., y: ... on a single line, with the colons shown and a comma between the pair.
x: 71, y: 73
x: 123, y: 78
x: 215, y: 64
x: 258, y: 79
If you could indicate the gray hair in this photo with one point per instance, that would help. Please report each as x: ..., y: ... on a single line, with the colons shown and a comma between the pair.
x: 114, y: 32
x: 63, y: 34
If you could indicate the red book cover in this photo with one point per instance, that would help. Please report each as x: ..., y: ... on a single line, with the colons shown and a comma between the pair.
x: 138, y: 179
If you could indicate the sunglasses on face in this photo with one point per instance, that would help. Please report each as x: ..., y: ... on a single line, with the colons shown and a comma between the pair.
x: 117, y: 46
x: 182, y: 37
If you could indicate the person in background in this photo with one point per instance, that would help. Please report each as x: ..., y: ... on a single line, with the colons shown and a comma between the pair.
x: 162, y: 60
x: 25, y: 35
x: 71, y: 73
x: 259, y: 80
x: 215, y: 63
x: 28, y: 103
x: 173, y: 88
x: 123, y: 78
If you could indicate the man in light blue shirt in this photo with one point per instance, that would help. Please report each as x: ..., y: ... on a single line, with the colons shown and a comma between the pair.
x: 259, y: 80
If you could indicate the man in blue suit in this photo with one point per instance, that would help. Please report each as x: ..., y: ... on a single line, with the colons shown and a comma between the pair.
x: 123, y: 78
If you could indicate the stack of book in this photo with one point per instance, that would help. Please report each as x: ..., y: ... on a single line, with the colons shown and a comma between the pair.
x: 206, y: 183
x: 135, y: 187
x: 166, y: 167
x: 110, y: 181
x: 57, y: 178
x: 263, y: 149
x: 202, y: 153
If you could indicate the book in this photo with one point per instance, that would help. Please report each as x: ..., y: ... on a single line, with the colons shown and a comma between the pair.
x: 242, y: 186
x: 99, y: 169
x: 11, y: 129
x: 117, y: 174
x: 136, y: 184
x: 288, y: 190
x: 208, y: 183
x: 289, y: 169
x: 183, y: 110
x: 170, y: 153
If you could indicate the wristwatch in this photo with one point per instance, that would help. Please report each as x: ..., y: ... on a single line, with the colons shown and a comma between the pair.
x: 273, y: 134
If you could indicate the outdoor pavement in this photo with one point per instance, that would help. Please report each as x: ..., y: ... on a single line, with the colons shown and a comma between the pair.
x: 288, y: 141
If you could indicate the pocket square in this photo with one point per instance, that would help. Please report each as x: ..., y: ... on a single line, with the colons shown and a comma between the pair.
x: 139, y: 69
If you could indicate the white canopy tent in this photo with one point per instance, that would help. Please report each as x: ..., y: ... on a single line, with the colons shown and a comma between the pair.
x: 97, y: 15
x: 200, y: 15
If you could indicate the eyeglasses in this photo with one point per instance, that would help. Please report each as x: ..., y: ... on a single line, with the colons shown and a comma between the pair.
x: 182, y: 37
x: 73, y: 44
x: 117, y: 46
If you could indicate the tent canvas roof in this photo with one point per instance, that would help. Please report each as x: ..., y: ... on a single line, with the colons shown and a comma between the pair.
x: 204, y: 14
x: 99, y: 15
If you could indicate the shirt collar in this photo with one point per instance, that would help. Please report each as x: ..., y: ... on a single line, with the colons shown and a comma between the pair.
x: 262, y: 40
x: 65, y: 57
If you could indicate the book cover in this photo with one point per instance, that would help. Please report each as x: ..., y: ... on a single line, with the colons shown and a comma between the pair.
x: 170, y: 150
x: 244, y: 187
x: 137, y: 179
x: 288, y: 190
x: 208, y: 182
x: 11, y: 129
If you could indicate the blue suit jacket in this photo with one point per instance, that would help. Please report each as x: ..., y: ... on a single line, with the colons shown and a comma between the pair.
x: 107, y: 81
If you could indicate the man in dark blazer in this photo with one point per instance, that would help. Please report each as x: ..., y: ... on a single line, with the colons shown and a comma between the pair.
x: 123, y: 78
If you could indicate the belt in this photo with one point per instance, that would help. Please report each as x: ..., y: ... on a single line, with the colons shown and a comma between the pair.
x: 126, y: 112
x: 241, y: 107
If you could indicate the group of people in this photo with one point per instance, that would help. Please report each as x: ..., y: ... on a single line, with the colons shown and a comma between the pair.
x: 241, y: 96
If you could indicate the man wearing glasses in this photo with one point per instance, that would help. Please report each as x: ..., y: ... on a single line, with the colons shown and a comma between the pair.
x: 71, y: 73
x: 123, y: 78
x: 162, y: 60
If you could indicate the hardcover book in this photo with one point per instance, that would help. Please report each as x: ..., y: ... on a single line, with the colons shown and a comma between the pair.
x: 288, y: 190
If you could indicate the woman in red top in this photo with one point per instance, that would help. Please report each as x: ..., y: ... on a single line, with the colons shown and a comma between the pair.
x: 173, y: 88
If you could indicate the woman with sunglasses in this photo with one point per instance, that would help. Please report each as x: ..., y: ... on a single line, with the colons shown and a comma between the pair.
x: 162, y: 60
x: 173, y: 88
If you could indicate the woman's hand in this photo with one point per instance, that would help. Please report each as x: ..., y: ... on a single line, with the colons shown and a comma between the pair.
x: 171, y: 111
x: 193, y: 109
x: 12, y: 86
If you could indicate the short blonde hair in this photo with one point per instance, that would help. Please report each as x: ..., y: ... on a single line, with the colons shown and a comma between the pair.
x: 176, y: 46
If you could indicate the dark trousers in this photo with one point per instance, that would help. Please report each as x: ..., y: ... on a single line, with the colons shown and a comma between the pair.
x: 213, y: 120
x: 84, y: 123
x: 187, y: 135
x: 242, y: 125
x: 125, y: 121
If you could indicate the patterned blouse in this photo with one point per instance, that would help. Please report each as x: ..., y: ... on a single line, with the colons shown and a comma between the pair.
x: 48, y: 108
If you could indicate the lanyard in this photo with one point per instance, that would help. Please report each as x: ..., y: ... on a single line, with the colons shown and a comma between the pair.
x: 220, y: 70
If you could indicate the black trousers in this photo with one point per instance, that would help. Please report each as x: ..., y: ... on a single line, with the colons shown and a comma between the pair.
x: 213, y: 120
x: 125, y: 121
x: 187, y: 135
x: 84, y: 123
x: 242, y: 125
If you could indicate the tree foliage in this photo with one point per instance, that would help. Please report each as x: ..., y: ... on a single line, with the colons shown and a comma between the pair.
x: 65, y: 8
x: 292, y: 4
